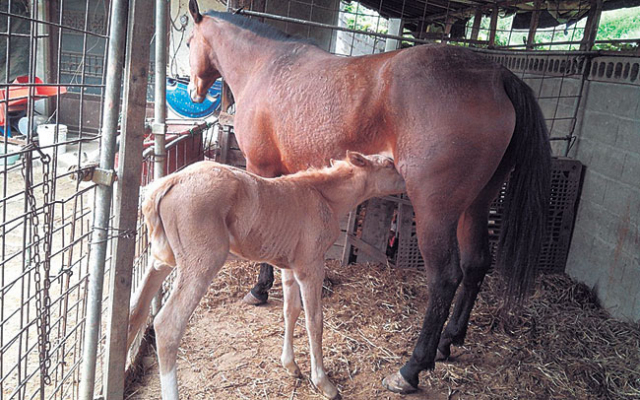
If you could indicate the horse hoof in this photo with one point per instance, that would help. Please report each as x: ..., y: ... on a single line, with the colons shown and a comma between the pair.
x: 253, y: 300
x: 397, y: 384
x: 440, y: 356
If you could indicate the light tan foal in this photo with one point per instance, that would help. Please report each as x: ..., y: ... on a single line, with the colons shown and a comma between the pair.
x: 197, y: 216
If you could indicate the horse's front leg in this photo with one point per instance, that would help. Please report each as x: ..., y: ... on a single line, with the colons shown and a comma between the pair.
x: 292, y: 307
x: 260, y: 292
x: 310, y: 279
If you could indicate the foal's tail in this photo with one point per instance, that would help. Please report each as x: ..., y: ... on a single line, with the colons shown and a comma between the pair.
x: 525, y: 214
x: 151, y: 211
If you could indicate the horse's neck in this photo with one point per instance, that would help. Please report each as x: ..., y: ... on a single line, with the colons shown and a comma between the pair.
x: 240, y: 54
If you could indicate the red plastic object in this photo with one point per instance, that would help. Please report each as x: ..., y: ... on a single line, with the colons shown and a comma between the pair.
x: 19, y: 95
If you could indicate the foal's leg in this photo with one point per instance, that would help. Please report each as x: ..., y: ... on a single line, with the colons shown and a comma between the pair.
x: 310, y: 280
x: 292, y: 308
x: 475, y: 259
x: 191, y: 284
x: 156, y: 273
x: 260, y: 292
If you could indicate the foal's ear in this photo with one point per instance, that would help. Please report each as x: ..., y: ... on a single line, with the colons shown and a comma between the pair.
x: 195, y: 11
x: 357, y: 159
x: 332, y: 162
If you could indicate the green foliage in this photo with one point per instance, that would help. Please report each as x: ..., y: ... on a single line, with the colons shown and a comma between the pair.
x: 614, y: 25
x: 363, y: 19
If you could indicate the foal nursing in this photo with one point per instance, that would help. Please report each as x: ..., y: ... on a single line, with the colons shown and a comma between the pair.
x: 197, y: 216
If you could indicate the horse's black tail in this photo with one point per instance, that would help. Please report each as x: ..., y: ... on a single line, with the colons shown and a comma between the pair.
x: 527, y: 199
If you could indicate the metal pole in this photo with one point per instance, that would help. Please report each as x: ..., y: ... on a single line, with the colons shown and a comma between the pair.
x: 104, y: 191
x: 127, y: 194
x: 160, y: 109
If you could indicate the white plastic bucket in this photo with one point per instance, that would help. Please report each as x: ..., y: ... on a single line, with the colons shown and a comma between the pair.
x: 47, y: 134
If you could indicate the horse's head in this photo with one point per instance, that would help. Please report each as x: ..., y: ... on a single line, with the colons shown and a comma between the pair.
x: 201, y: 59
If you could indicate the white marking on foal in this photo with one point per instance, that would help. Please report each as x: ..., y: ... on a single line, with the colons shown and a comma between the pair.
x: 169, y: 384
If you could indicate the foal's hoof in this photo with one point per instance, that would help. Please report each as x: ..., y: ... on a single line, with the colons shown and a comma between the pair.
x: 253, y: 300
x: 327, y: 389
x: 397, y: 384
x: 293, y: 370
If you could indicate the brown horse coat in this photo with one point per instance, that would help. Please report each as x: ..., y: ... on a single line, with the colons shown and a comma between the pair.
x: 456, y: 123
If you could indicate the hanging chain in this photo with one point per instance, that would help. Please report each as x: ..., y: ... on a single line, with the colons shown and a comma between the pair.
x: 42, y: 284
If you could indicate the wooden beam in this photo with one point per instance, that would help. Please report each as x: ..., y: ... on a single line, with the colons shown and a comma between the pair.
x: 591, y: 26
x: 374, y: 255
x: 375, y: 227
x: 533, y: 27
x: 139, y: 35
x: 477, y: 20
x: 493, y: 26
x: 351, y: 229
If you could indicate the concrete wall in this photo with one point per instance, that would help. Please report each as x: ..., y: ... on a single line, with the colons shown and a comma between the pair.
x: 605, y: 249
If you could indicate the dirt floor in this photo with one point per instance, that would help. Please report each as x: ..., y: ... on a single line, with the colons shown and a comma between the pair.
x: 561, y: 345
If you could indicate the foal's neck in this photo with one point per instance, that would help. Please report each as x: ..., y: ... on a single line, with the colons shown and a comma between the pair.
x: 342, y: 187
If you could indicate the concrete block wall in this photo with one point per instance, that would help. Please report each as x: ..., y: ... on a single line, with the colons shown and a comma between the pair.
x: 605, y: 249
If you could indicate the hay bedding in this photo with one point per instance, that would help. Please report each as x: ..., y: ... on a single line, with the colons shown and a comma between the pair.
x: 561, y: 345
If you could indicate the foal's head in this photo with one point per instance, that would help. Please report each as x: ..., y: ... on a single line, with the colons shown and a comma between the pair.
x: 201, y: 59
x: 376, y: 172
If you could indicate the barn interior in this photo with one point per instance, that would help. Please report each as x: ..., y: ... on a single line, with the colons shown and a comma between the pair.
x: 94, y: 106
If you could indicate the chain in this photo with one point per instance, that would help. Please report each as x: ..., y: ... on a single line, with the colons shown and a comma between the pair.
x: 42, y: 284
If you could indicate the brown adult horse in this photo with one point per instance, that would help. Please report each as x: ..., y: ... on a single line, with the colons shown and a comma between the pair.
x: 456, y: 123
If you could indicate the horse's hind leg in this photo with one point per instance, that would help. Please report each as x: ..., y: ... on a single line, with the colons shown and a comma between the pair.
x: 439, y: 247
x: 475, y: 259
x: 191, y: 284
x: 156, y: 273
x: 292, y: 308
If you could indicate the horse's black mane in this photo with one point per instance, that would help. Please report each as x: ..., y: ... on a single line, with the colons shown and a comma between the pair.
x: 259, y: 28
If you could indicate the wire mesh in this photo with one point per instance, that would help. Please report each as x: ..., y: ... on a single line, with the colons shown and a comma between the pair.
x: 51, y: 85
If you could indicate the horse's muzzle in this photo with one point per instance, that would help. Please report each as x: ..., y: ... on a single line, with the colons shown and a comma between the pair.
x: 193, y: 93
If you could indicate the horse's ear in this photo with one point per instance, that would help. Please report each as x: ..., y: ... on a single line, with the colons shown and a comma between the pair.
x: 357, y: 159
x: 195, y: 11
x: 332, y: 162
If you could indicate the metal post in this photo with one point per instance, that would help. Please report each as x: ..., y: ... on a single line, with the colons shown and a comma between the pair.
x: 104, y: 191
x: 127, y: 194
x: 160, y: 109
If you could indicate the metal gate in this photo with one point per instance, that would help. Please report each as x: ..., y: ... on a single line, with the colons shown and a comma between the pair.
x: 52, y: 74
